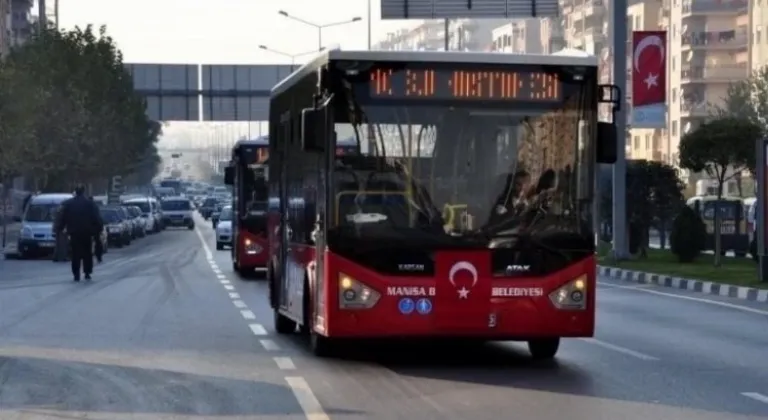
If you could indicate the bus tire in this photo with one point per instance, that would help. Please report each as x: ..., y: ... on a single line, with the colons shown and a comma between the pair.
x: 320, y: 345
x: 544, y: 348
x: 283, y: 324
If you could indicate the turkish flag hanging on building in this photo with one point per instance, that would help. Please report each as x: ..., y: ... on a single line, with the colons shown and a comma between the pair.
x: 649, y: 68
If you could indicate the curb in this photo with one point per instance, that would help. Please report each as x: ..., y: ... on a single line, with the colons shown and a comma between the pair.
x: 704, y: 287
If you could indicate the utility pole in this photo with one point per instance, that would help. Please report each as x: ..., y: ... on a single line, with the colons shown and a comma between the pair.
x: 620, y: 243
x: 42, y: 20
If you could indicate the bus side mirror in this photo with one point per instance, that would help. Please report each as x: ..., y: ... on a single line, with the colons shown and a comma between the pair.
x: 607, y: 143
x: 313, y: 130
x: 229, y: 175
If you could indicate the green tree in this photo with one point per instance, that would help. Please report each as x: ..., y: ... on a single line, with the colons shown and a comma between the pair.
x: 721, y: 148
x: 748, y: 98
x: 656, y: 194
x: 85, y: 123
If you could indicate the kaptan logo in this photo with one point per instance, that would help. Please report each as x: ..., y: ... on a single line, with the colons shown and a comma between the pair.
x: 463, y: 266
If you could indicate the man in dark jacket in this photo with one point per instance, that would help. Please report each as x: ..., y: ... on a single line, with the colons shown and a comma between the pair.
x: 81, y: 218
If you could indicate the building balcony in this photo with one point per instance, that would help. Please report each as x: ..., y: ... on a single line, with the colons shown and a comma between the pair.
x: 737, y: 39
x: 713, y: 7
x: 595, y: 32
x: 713, y: 74
x: 591, y: 8
x: 694, y: 109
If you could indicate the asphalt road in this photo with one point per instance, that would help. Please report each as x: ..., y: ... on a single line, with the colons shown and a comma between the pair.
x: 164, y: 332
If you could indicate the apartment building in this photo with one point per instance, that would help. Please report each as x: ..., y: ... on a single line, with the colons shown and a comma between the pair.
x: 463, y: 35
x: 528, y: 36
x: 20, y: 20
x: 711, y: 43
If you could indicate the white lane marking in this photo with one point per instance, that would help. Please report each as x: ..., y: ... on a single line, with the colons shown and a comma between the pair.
x: 756, y: 396
x: 619, y: 349
x: 269, y: 345
x: 208, y: 253
x: 229, y: 287
x: 689, y: 298
x: 257, y: 329
x: 306, y: 398
x: 217, y: 271
x: 221, y: 276
x: 239, y: 304
x: 247, y: 314
x: 224, y: 281
x: 234, y: 295
x: 284, y: 363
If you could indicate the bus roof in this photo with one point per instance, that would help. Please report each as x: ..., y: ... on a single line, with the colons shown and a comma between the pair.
x: 563, y: 58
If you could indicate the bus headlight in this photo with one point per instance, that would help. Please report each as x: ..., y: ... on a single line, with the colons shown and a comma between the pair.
x: 355, y: 295
x: 572, y: 295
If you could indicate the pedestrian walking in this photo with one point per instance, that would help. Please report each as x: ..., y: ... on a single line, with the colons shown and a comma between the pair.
x: 81, y: 218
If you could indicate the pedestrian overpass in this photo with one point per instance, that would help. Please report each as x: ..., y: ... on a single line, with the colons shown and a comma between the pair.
x: 193, y: 92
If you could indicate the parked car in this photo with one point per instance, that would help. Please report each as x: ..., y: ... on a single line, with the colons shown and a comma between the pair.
x: 117, y: 225
x: 36, y: 236
x: 134, y: 221
x: 150, y: 212
x: 141, y: 222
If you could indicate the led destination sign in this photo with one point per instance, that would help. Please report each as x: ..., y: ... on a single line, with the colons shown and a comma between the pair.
x: 460, y: 84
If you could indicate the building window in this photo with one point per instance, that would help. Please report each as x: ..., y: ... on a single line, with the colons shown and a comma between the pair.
x: 674, y: 63
x: 674, y: 95
x: 674, y: 128
x: 636, y: 142
x: 647, y: 141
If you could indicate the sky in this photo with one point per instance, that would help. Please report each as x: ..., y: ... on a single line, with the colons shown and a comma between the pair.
x: 223, y: 32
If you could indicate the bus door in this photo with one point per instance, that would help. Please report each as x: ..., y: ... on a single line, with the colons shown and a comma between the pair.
x: 294, y: 256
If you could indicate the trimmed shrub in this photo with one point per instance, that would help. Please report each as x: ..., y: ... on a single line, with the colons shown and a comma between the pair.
x: 688, y: 235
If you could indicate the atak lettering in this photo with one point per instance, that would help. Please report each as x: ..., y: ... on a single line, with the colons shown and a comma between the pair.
x: 517, y: 292
x: 410, y: 291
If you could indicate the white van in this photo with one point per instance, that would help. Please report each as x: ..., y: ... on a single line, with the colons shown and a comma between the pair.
x: 36, y: 235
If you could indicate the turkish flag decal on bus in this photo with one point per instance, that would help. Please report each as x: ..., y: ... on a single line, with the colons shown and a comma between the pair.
x: 463, y: 289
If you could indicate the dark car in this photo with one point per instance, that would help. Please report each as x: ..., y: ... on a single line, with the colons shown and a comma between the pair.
x: 207, y: 207
x: 118, y: 226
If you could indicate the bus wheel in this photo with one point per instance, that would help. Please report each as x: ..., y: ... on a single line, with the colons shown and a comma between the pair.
x: 320, y: 346
x: 544, y: 348
x: 283, y: 324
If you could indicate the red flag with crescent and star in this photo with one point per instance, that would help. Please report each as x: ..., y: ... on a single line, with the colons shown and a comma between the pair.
x: 649, y: 68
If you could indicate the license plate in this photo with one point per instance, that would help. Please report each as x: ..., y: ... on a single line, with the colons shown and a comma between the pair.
x: 727, y: 229
x: 46, y: 244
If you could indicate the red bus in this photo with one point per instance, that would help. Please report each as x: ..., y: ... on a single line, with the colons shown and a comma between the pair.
x: 469, y: 212
x: 248, y: 176
x: 248, y: 173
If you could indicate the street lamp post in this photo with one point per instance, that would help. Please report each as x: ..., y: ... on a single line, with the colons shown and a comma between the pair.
x: 319, y: 26
x: 293, y: 57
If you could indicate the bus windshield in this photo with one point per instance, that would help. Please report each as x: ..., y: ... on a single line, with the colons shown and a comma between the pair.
x: 456, y: 171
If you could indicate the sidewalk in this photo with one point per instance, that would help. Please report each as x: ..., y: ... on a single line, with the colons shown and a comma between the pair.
x: 692, y: 285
